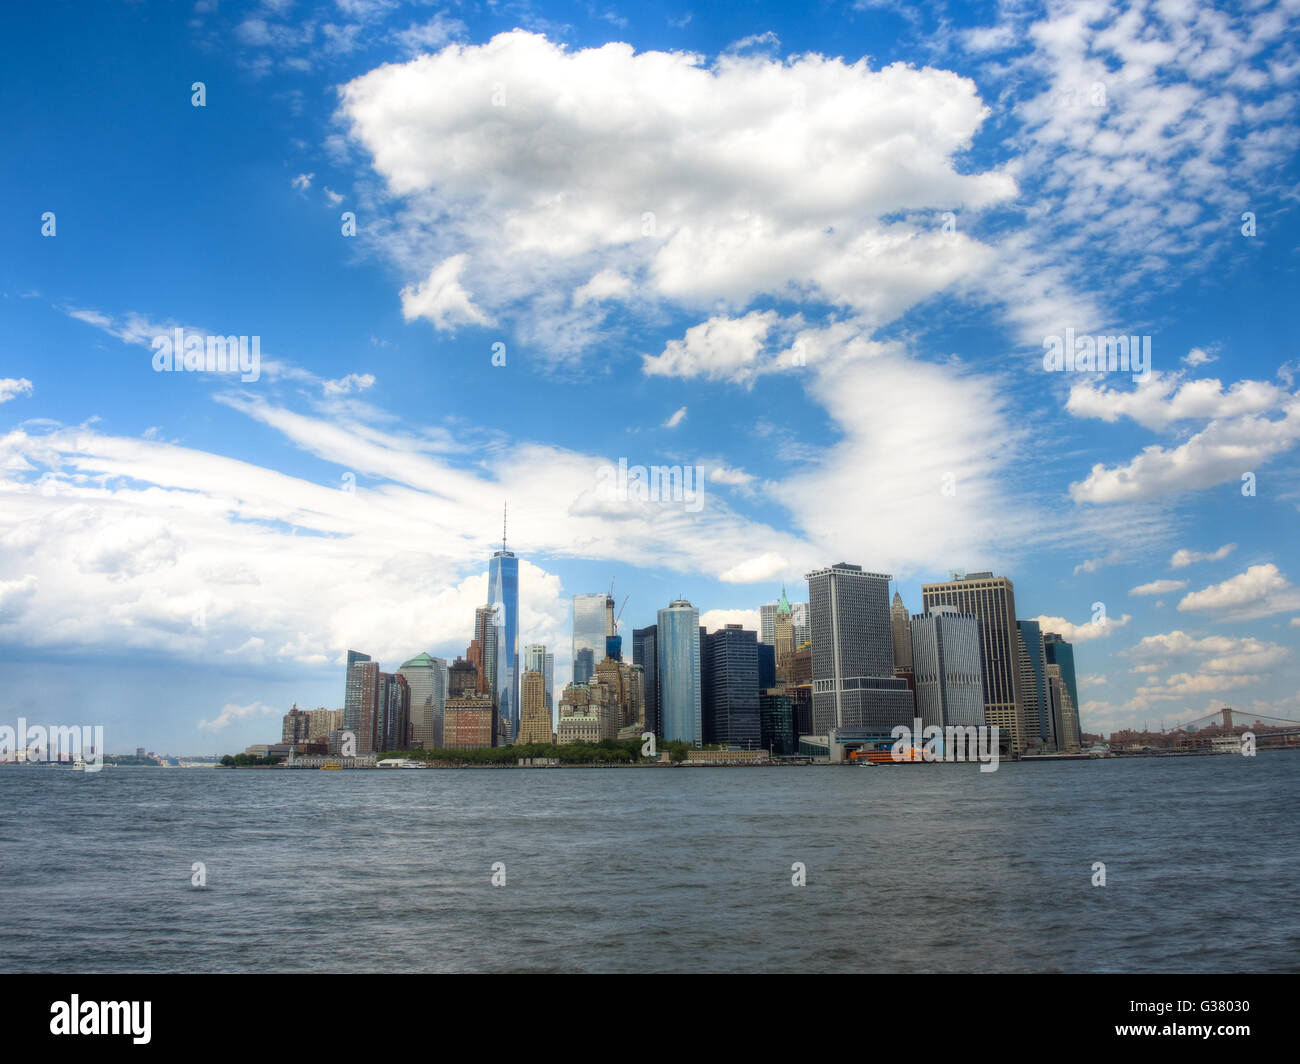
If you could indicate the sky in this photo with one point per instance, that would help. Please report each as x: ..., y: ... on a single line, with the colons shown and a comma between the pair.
x: 815, y: 255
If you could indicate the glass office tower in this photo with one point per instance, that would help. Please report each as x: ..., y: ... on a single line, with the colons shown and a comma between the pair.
x: 680, y: 690
x: 503, y: 595
x: 646, y: 654
x: 593, y: 617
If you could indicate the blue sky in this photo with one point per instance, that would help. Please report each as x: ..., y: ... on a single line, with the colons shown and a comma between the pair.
x: 813, y: 252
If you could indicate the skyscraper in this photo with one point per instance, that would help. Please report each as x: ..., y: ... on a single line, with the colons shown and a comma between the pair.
x: 361, y: 701
x: 802, y: 626
x: 680, y: 688
x: 537, y: 659
x: 646, y: 654
x: 993, y: 600
x: 730, y: 676
x: 395, y: 701
x: 1035, y: 660
x: 783, y: 631
x: 902, y: 629
x: 854, y: 686
x: 535, y: 719
x: 1058, y: 652
x: 503, y: 596
x: 593, y: 622
x: 1065, y: 717
x: 483, y: 650
x: 426, y: 677
x: 946, y: 665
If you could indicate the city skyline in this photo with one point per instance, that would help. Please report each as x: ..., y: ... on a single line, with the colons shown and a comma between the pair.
x: 815, y: 298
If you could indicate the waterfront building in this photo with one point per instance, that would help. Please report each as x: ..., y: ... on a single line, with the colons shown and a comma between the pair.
x: 901, y: 626
x: 394, y: 731
x: 427, y: 679
x: 626, y: 681
x: 945, y: 663
x: 503, y: 597
x: 1057, y: 651
x: 482, y: 651
x: 296, y: 726
x: 783, y: 632
x: 853, y: 681
x: 680, y: 687
x: 469, y: 722
x: 729, y: 668
x: 361, y: 701
x: 776, y: 722
x: 583, y: 704
x: 535, y: 720
x: 322, y: 722
x: 462, y: 679
x: 1035, y: 657
x: 645, y: 654
x: 767, y: 674
x: 993, y: 600
x: 1065, y: 717
x: 593, y: 623
x: 538, y: 659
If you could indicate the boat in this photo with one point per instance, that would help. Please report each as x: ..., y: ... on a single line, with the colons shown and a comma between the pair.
x: 79, y: 765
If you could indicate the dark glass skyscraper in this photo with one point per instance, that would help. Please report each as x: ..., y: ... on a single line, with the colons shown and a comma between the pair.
x: 645, y: 654
x: 1032, y: 635
x: 503, y: 596
x: 1059, y: 652
x: 730, y: 669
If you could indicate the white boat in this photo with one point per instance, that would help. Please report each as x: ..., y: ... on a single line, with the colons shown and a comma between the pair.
x: 79, y: 765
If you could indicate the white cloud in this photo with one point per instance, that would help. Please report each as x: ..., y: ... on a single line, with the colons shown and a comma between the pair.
x: 676, y: 418
x: 1158, y: 587
x: 712, y: 620
x: 12, y: 387
x: 303, y: 182
x: 1198, y: 356
x: 1258, y: 592
x: 442, y: 299
x: 755, y: 570
x: 1218, y: 653
x: 1183, y: 557
x: 1082, y: 633
x: 231, y: 714
x: 352, y: 382
x: 697, y: 183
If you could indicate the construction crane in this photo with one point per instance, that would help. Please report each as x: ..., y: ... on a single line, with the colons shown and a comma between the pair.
x: 620, y: 610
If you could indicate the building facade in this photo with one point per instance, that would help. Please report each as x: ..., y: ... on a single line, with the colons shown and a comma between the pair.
x: 535, y: 719
x: 853, y: 682
x: 503, y: 597
x: 946, y: 667
x: 729, y: 668
x: 645, y: 654
x: 593, y: 623
x: 681, y: 695
x: 427, y: 678
x: 993, y: 600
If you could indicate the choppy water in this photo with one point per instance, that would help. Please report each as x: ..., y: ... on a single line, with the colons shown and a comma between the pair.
x: 909, y: 868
